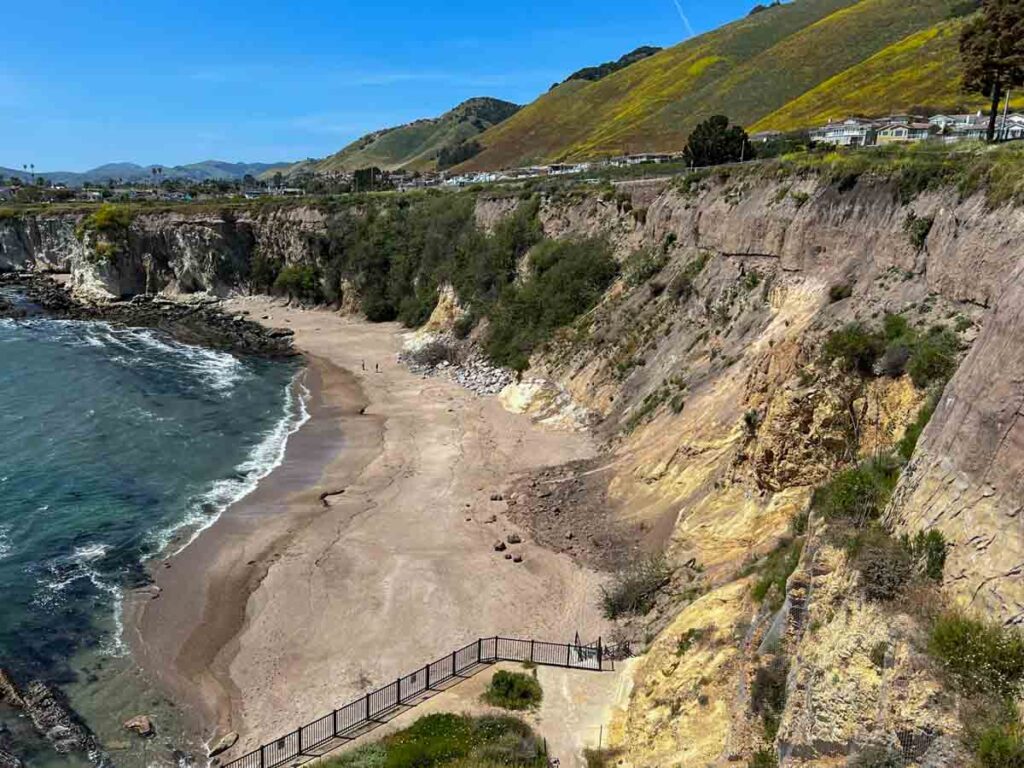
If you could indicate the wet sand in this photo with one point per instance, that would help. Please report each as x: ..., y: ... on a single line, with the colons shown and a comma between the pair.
x: 286, y: 607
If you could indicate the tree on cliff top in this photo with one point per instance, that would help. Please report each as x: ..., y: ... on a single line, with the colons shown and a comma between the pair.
x: 714, y: 141
x: 992, y: 49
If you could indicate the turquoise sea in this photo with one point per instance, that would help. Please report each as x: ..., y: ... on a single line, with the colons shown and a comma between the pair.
x: 115, y: 445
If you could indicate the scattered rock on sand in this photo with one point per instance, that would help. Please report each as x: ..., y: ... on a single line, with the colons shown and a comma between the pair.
x: 515, y: 538
x: 142, y: 725
x: 499, y: 546
x: 517, y: 559
x: 491, y: 519
x: 496, y: 497
x: 226, y: 742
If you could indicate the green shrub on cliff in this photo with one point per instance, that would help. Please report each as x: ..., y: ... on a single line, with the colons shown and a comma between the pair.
x: 855, y: 347
x: 979, y: 657
x: 633, y: 589
x: 109, y: 219
x: 859, y: 494
x: 933, y: 358
x: 109, y: 226
x: 566, y: 279
x: 775, y: 571
x: 299, y: 281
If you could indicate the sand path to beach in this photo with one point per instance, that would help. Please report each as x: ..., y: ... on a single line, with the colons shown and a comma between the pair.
x: 285, y: 608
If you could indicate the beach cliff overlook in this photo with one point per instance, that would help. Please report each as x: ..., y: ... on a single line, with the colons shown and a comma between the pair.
x: 763, y: 333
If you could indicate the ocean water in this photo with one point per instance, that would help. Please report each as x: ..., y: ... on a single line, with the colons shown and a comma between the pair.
x: 115, y: 445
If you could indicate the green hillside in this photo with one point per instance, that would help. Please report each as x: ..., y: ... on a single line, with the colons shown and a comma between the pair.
x: 920, y: 71
x: 415, y: 146
x: 748, y: 70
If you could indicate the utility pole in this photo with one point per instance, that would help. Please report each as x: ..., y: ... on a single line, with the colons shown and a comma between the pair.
x: 1006, y: 112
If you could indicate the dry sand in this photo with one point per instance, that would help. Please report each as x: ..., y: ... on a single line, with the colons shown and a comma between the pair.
x: 284, y: 609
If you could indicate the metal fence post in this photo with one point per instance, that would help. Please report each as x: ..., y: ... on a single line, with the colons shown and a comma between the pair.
x: 398, y: 690
x: 568, y: 655
x: 600, y: 655
x: 298, y: 734
x: 334, y: 718
x: 531, y: 650
x: 426, y: 672
x: 262, y: 758
x: 367, y: 707
x: 454, y: 670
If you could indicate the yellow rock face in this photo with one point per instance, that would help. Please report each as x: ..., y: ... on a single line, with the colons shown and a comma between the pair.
x: 682, y: 708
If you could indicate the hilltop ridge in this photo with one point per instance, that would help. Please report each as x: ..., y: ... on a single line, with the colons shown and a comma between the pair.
x: 416, y: 145
x: 798, y: 56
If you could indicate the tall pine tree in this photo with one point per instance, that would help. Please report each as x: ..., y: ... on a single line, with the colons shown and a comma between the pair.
x: 992, y: 48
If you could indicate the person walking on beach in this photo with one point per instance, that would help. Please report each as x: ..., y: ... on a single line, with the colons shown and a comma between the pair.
x: 364, y: 365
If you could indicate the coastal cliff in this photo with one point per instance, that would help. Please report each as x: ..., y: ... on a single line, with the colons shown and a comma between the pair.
x: 701, y: 371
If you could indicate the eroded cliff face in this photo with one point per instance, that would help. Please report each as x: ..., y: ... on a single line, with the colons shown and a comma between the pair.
x: 720, y: 422
x: 171, y: 253
x: 967, y: 477
x: 701, y: 370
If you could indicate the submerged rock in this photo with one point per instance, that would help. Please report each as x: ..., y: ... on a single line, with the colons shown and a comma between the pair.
x: 53, y: 717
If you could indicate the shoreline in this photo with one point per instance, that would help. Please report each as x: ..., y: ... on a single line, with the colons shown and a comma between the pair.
x: 291, y: 604
x: 185, y: 646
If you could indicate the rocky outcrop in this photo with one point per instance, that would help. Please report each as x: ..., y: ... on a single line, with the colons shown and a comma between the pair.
x: 193, y: 320
x: 171, y: 252
x: 40, y: 243
x: 223, y: 744
x: 7, y: 757
x: 967, y: 478
x: 53, y: 718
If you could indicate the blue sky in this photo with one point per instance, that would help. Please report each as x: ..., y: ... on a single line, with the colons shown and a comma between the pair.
x: 87, y: 82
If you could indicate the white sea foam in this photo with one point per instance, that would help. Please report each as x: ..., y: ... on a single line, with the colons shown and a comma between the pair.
x: 6, y: 547
x: 67, y: 570
x: 222, y: 371
x: 263, y: 459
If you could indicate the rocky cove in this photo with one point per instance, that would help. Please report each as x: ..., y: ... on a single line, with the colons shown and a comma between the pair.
x: 699, y: 374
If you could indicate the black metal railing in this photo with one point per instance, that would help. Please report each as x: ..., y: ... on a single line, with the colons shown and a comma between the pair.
x: 341, y: 725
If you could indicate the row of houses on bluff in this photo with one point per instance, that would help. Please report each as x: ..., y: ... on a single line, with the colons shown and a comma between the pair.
x: 907, y: 129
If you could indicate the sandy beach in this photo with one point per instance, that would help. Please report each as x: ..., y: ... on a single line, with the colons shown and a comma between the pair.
x: 285, y: 607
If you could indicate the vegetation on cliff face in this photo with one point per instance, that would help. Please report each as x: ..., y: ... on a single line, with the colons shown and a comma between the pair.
x: 107, y: 229
x: 566, y: 279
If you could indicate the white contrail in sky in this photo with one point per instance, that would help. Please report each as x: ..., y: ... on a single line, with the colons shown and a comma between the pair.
x: 686, y: 21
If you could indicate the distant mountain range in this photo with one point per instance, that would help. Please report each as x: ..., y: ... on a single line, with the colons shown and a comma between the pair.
x: 215, y: 170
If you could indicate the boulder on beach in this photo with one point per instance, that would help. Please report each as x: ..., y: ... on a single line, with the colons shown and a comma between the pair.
x: 142, y: 725
x: 224, y: 743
